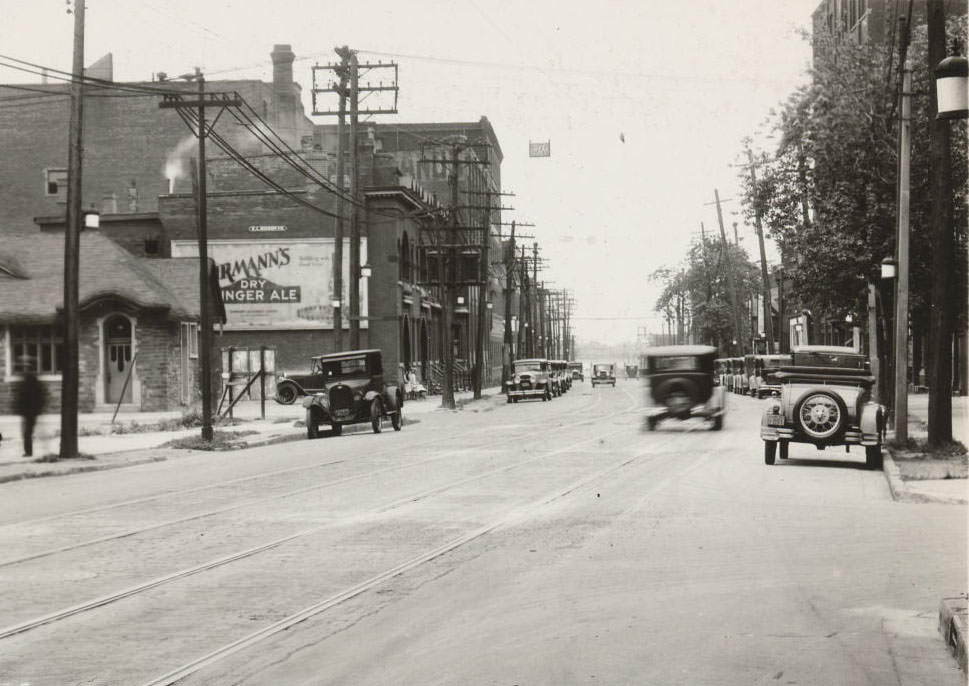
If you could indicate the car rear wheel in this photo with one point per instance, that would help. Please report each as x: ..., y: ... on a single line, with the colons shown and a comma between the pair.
x: 312, y: 426
x: 376, y: 410
x: 783, y: 448
x: 286, y: 394
x: 770, y: 451
x: 717, y: 422
x: 820, y: 414
x: 873, y: 457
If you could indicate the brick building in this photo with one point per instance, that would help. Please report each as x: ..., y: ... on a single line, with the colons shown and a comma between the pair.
x: 272, y: 248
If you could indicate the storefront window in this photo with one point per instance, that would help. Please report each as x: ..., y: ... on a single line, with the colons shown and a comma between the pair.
x: 36, y: 348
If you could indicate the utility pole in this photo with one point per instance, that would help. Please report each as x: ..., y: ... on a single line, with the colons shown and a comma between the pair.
x: 341, y: 135
x: 70, y: 379
x: 508, y: 356
x: 728, y: 264
x: 205, y: 313
x: 765, y: 281
x: 901, y: 300
x: 349, y: 88
x: 482, y: 331
x: 355, y: 208
x: 943, y: 305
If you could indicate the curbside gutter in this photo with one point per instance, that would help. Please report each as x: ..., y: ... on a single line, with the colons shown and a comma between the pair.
x: 952, y: 626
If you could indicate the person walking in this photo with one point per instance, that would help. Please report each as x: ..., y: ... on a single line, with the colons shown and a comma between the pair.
x: 30, y: 399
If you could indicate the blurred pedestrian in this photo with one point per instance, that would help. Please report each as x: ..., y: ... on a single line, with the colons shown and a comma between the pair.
x: 31, y: 396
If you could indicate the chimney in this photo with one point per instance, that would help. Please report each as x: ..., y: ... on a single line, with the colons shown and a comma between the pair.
x: 285, y: 101
x: 282, y: 69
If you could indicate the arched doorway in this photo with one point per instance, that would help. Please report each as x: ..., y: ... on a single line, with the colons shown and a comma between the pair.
x: 117, y: 359
x: 424, y: 344
x: 405, y: 348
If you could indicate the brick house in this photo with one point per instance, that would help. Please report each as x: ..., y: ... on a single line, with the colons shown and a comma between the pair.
x: 138, y: 335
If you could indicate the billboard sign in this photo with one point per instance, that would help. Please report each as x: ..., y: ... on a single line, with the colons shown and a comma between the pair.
x: 278, y: 283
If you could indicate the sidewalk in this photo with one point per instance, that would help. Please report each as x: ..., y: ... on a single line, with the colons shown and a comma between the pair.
x: 102, y: 447
x: 930, y: 490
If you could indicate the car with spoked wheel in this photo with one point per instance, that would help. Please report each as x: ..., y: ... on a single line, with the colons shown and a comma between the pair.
x: 354, y: 391
x: 825, y: 400
x: 290, y: 386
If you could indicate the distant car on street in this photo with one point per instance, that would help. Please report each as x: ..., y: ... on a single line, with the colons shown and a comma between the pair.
x: 681, y: 385
x: 825, y: 400
x: 354, y: 391
x: 603, y: 373
x: 576, y: 369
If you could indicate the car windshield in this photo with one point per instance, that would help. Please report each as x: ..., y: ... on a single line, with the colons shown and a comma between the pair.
x: 679, y: 363
x: 528, y: 366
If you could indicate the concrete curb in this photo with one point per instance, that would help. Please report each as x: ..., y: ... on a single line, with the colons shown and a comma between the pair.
x: 900, y: 490
x: 952, y: 625
x: 894, y: 476
x: 41, y: 472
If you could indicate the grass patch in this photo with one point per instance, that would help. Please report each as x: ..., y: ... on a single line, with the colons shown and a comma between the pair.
x: 189, y: 420
x: 921, y: 447
x: 221, y: 440
x: 53, y: 457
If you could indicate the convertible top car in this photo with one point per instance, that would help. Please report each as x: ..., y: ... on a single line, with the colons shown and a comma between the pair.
x: 825, y: 399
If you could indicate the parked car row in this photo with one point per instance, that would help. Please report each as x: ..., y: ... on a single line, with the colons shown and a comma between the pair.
x: 538, y: 378
x: 750, y: 375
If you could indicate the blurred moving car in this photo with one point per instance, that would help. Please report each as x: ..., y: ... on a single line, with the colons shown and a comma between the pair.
x: 354, y: 390
x: 530, y: 378
x: 603, y: 373
x: 681, y: 385
x: 291, y: 386
x: 825, y: 399
x: 576, y: 370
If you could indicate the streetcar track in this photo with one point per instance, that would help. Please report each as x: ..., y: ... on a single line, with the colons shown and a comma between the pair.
x: 252, y: 477
x: 519, y: 514
x: 130, y: 591
x: 211, y: 513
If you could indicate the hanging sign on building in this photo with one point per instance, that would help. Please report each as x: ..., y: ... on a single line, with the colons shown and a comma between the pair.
x: 540, y: 149
x: 278, y: 283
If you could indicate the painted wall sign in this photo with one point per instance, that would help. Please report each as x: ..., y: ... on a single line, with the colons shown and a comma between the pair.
x: 276, y: 283
x: 267, y: 228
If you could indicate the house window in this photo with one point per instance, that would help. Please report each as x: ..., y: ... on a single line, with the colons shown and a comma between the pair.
x: 36, y: 348
x: 190, y: 339
x: 55, y: 183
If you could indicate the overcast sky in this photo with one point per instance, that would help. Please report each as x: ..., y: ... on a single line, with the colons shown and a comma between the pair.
x: 645, y: 103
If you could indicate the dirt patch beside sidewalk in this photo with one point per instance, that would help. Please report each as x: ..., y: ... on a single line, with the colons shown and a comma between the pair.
x: 916, y: 465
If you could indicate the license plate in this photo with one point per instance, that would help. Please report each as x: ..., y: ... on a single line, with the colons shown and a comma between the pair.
x: 775, y: 420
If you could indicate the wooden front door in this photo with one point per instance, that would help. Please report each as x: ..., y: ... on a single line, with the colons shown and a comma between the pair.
x: 117, y: 359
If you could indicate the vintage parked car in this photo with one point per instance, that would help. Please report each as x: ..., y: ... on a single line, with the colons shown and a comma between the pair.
x: 576, y: 370
x: 354, y: 391
x: 764, y: 384
x: 603, y: 373
x: 530, y: 378
x: 291, y: 386
x: 681, y: 385
x: 561, y: 378
x: 825, y: 399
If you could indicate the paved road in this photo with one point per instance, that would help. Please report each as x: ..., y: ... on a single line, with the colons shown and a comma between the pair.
x: 537, y: 543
